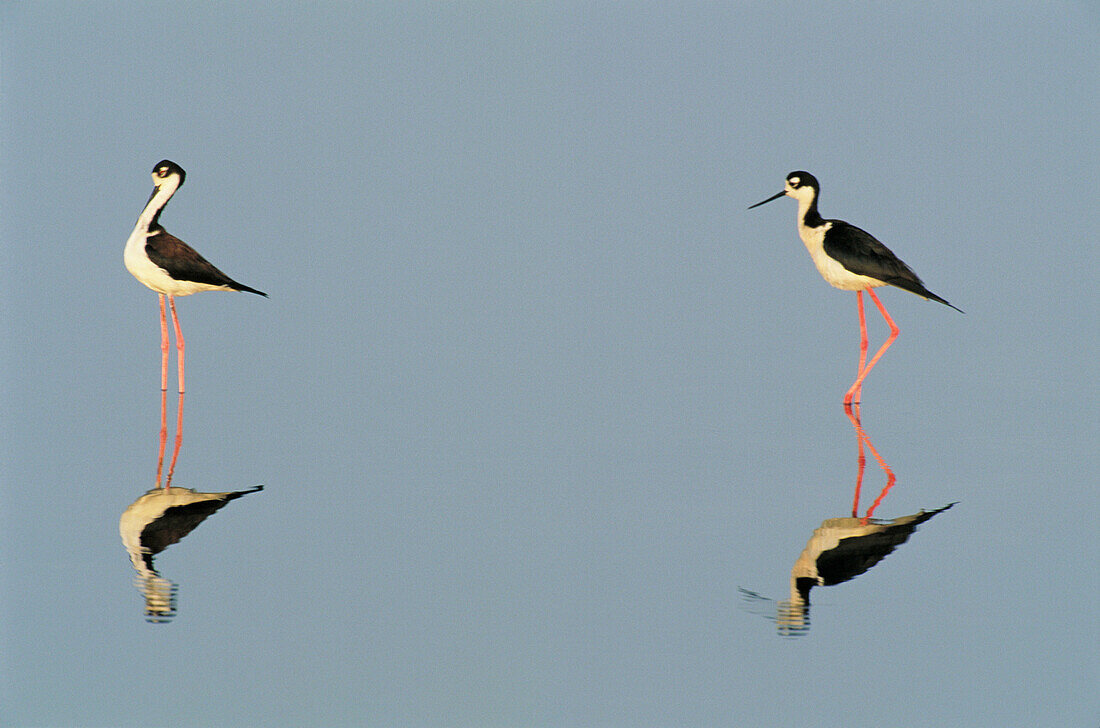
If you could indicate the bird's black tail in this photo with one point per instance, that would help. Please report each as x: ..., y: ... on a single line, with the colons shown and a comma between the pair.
x: 247, y: 289
x: 915, y: 286
x: 934, y: 297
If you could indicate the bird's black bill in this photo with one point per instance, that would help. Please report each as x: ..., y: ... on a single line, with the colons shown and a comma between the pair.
x: 776, y: 196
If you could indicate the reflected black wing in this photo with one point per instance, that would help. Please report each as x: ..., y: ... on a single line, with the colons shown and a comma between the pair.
x: 856, y: 554
x: 178, y: 521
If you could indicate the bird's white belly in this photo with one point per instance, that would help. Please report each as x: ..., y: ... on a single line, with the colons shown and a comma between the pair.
x: 835, y: 274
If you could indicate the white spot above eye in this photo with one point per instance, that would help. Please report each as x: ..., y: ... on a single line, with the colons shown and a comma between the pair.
x: 795, y: 181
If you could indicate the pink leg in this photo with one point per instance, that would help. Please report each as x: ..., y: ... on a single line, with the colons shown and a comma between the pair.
x: 163, y: 350
x: 179, y: 441
x: 179, y: 342
x: 855, y: 390
x: 894, y: 331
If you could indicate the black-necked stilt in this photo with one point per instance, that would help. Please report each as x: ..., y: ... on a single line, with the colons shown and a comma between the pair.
x: 850, y: 259
x: 168, y: 265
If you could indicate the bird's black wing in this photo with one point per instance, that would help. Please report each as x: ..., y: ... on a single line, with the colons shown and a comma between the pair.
x: 861, y: 253
x: 185, y: 264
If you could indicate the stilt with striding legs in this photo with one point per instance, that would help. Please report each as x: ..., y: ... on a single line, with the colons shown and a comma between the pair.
x: 850, y: 259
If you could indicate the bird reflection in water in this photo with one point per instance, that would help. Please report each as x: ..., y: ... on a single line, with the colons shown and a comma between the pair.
x: 841, y: 549
x: 162, y: 517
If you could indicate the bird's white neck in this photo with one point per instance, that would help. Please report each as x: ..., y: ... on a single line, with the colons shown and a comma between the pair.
x: 146, y: 222
x: 808, y: 216
x: 161, y: 194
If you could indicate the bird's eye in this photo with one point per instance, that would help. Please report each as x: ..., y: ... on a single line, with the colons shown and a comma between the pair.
x: 795, y: 181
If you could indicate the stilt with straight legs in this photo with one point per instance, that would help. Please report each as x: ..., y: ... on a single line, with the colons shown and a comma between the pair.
x: 169, y: 266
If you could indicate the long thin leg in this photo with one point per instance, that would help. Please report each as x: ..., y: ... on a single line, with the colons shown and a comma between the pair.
x: 855, y: 391
x: 179, y: 342
x: 163, y: 350
x: 179, y: 441
x: 894, y: 331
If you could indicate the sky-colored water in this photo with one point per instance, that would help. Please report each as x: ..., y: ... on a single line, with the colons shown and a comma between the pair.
x: 534, y: 397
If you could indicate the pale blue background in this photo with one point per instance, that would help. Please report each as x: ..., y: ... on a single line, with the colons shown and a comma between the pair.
x: 534, y: 394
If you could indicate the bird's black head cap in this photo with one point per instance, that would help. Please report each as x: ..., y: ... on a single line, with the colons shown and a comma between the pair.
x: 165, y: 167
x: 802, y: 179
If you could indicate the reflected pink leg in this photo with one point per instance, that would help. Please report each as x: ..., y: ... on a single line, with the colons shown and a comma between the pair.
x: 864, y: 440
x: 163, y: 350
x: 890, y: 479
x: 179, y: 342
x: 861, y: 459
x: 179, y: 441
x: 163, y: 433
